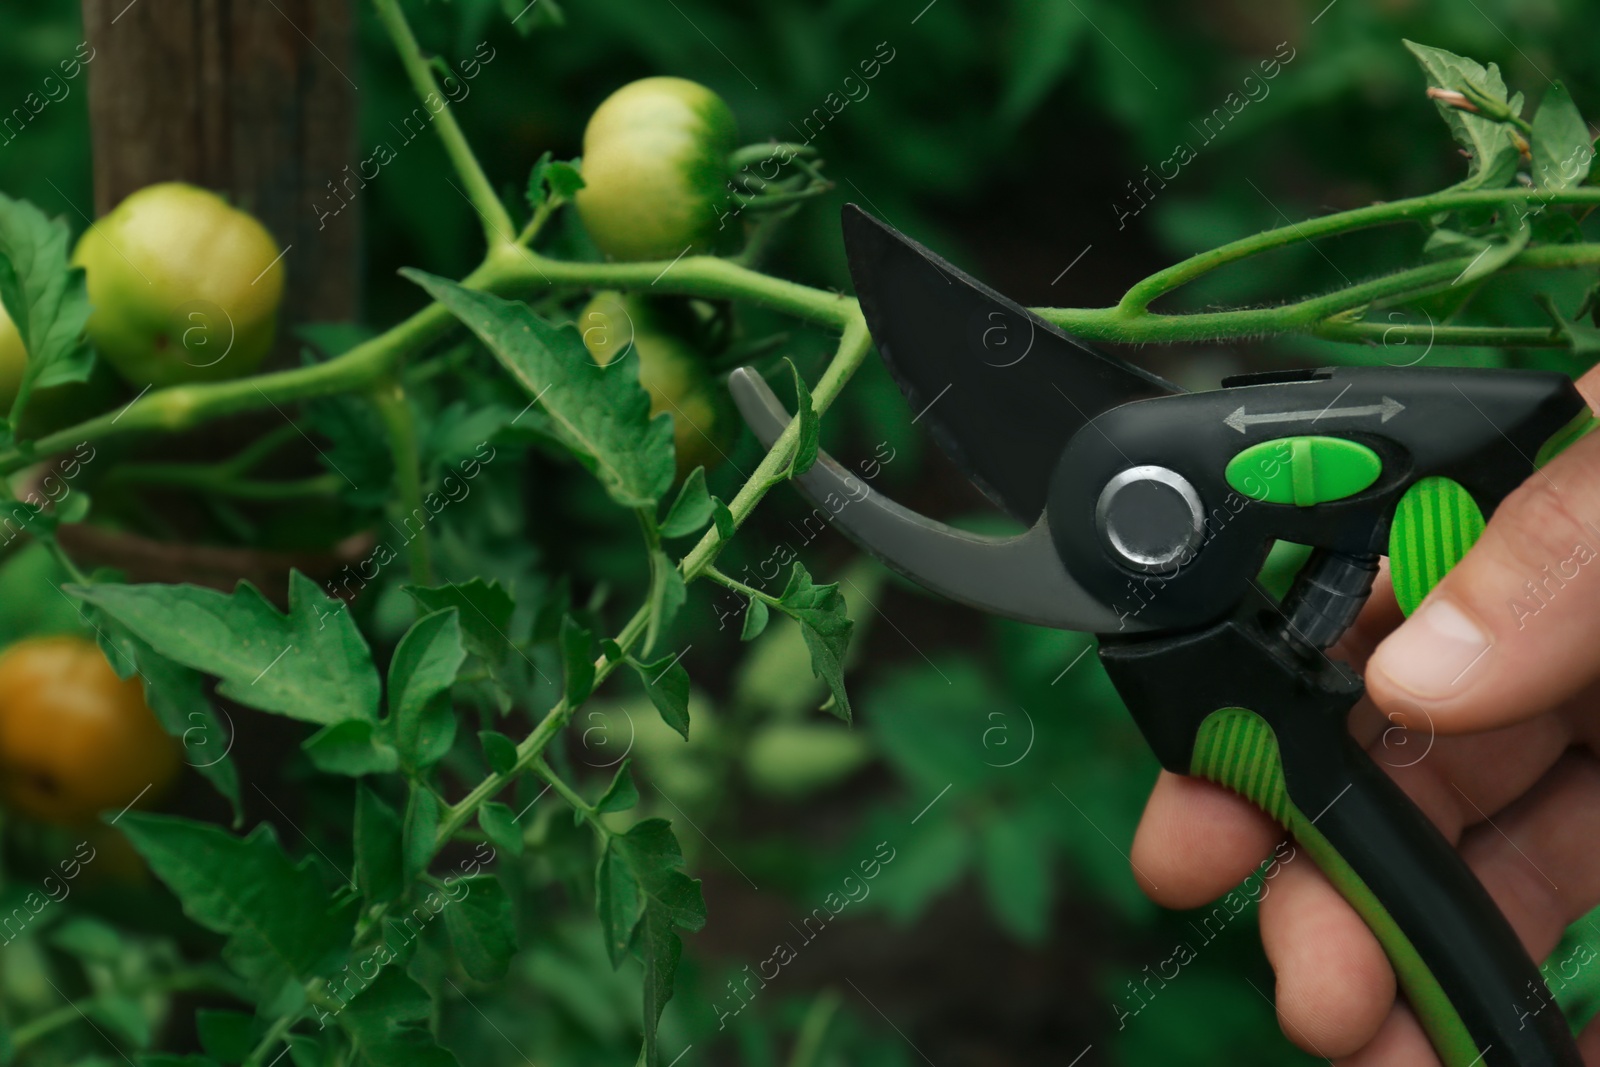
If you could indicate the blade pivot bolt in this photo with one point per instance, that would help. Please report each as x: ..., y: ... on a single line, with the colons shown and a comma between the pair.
x: 1150, y: 518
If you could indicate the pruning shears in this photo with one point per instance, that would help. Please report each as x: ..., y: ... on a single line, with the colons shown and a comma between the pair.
x: 1150, y: 512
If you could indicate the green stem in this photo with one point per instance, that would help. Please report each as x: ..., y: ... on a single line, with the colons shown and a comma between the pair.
x: 715, y: 575
x: 278, y: 1031
x: 1408, y: 333
x: 854, y: 344
x: 219, y: 480
x: 497, y: 225
x: 399, y: 425
x: 1119, y: 324
x: 571, y: 796
x: 1164, y: 281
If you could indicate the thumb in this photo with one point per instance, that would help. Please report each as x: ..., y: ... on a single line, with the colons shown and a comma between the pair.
x: 1514, y: 628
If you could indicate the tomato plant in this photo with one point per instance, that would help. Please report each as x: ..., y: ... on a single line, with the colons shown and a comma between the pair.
x: 450, y: 736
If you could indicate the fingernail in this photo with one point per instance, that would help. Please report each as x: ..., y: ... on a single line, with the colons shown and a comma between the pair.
x: 1435, y: 653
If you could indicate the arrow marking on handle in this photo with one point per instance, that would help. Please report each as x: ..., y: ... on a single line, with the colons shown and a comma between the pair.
x: 1386, y: 410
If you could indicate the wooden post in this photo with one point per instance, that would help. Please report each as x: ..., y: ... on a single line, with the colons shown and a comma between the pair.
x: 256, y: 100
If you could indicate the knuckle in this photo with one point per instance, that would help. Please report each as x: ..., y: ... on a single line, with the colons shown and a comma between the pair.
x: 1538, y: 527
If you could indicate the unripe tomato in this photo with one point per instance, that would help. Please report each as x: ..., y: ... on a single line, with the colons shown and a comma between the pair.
x: 75, y: 739
x: 655, y: 170
x: 614, y: 324
x: 13, y: 360
x: 185, y: 287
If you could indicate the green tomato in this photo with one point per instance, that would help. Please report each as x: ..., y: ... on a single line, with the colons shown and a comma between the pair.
x: 655, y: 170
x: 616, y: 325
x: 13, y: 360
x: 185, y: 287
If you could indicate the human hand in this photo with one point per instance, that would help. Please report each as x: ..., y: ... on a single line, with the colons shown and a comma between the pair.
x: 1497, y: 678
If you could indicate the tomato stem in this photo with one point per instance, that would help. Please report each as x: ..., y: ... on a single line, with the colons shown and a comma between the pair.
x: 498, y: 228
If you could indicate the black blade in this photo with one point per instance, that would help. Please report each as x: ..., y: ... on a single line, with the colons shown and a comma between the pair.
x: 1019, y: 577
x: 1001, y: 389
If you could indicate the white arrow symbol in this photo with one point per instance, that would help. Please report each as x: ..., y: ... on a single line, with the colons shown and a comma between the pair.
x: 1388, y: 409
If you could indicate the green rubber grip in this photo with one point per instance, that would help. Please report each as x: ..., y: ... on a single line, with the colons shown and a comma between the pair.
x: 1437, y: 521
x: 1457, y: 961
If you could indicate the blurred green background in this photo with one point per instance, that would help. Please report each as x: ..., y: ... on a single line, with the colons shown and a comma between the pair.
x: 993, y: 760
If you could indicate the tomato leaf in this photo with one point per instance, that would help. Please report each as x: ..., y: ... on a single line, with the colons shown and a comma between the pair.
x: 354, y: 747
x: 498, y: 751
x: 481, y: 927
x: 551, y: 178
x: 274, y: 912
x: 621, y: 794
x: 500, y: 823
x: 805, y: 449
x: 1016, y: 876
x: 755, y: 620
x: 388, y: 1021
x: 485, y: 609
x: 178, y: 697
x: 1562, y: 152
x: 691, y: 510
x: 421, y: 829
x: 643, y: 899
x: 667, y: 684
x: 667, y: 595
x: 1041, y: 47
x: 378, y: 845
x: 420, y: 676
x: 577, y: 659
x: 723, y: 519
x: 602, y: 414
x: 1492, y: 145
x: 311, y: 664
x: 820, y: 611
x: 43, y: 294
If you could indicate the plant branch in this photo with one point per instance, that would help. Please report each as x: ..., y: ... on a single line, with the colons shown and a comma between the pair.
x: 399, y: 425
x: 497, y: 225
x: 854, y: 344
x: 1164, y: 281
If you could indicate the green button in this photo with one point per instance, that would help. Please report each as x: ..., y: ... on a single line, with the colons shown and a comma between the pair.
x: 1303, y: 470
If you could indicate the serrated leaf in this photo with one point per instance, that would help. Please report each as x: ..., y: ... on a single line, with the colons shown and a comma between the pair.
x: 820, y: 611
x: 577, y: 660
x: 500, y: 823
x: 354, y: 449
x: 42, y: 293
x: 378, y: 844
x: 177, y: 695
x: 691, y: 510
x: 389, y: 1021
x: 667, y: 595
x: 805, y: 449
x: 667, y: 684
x: 311, y: 664
x: 621, y: 794
x: 420, y: 676
x: 421, y: 830
x: 275, y: 913
x: 1562, y: 152
x: 755, y: 620
x: 643, y: 899
x: 481, y: 927
x: 1491, y: 145
x: 498, y: 751
x: 601, y: 413
x: 354, y: 747
x: 485, y: 609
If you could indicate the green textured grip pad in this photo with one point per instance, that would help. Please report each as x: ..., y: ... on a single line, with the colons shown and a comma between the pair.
x: 1238, y: 750
x: 1434, y: 525
x: 1437, y: 521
